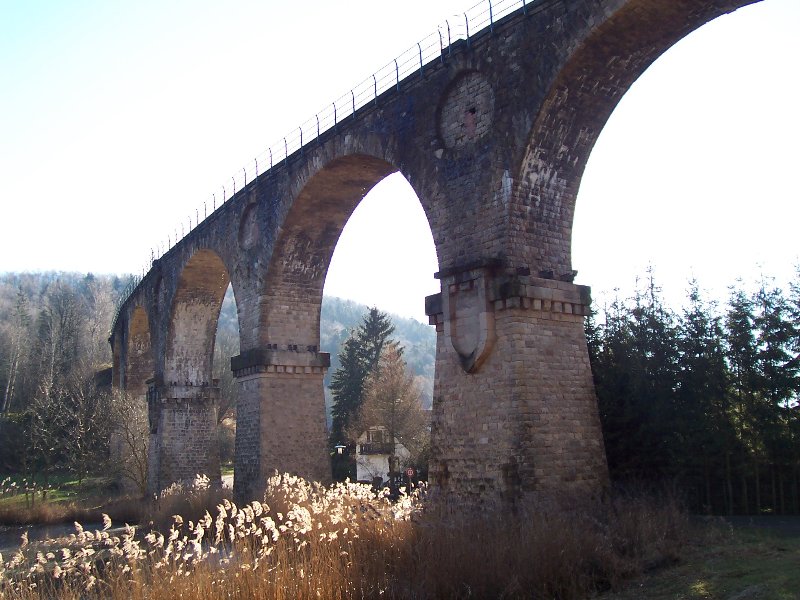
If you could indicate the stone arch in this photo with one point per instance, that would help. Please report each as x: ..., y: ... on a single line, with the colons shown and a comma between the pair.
x: 281, y: 407
x: 193, y: 317
x: 183, y: 406
x: 596, y: 74
x: 305, y: 245
x: 139, y: 366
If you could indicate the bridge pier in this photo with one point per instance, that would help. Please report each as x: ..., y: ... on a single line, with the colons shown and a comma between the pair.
x: 183, y: 435
x: 515, y: 414
x: 280, y: 417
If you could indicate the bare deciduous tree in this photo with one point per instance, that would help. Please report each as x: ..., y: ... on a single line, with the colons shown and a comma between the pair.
x: 392, y: 399
x: 129, y: 440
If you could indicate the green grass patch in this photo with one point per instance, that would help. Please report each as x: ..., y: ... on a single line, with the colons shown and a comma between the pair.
x: 723, y: 562
x: 63, y: 497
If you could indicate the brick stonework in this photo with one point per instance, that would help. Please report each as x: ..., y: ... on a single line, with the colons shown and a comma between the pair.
x: 494, y: 139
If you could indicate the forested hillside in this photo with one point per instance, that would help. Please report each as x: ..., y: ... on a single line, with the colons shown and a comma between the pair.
x: 54, y: 330
x: 54, y: 359
x: 705, y: 398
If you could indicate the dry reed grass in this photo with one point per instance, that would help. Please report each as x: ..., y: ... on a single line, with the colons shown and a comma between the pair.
x: 342, y: 542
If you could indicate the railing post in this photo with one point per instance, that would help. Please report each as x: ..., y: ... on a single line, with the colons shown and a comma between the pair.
x: 421, y: 68
x: 270, y: 158
x: 397, y: 74
x: 285, y: 152
x: 466, y: 20
x: 234, y: 187
x: 245, y: 177
x: 214, y: 200
x: 524, y: 7
x: 317, y: 116
x: 224, y: 194
x: 335, y: 122
x: 256, y: 159
x: 491, y: 18
x: 375, y: 87
x: 441, y: 46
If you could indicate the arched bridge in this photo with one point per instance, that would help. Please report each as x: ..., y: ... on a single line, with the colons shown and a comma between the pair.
x: 493, y: 133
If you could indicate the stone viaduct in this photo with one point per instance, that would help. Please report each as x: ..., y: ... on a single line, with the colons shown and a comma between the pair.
x: 493, y: 137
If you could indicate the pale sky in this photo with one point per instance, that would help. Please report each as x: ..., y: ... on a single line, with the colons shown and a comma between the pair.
x: 119, y: 119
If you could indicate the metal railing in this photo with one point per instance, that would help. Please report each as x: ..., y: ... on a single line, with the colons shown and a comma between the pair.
x: 434, y: 47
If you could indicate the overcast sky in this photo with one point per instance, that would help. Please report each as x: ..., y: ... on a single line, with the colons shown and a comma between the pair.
x: 119, y: 119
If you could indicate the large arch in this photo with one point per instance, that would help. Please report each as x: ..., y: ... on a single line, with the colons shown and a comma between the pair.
x: 577, y: 105
x: 183, y: 408
x: 285, y: 375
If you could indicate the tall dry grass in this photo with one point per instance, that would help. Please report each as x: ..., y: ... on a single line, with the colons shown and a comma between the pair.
x: 342, y: 542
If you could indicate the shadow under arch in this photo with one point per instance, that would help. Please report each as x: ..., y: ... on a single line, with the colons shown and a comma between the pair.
x: 193, y: 320
x: 577, y: 106
x: 139, y: 367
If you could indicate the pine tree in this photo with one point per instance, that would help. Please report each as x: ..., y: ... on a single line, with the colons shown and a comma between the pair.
x: 777, y: 384
x: 794, y: 406
x: 741, y: 353
x: 359, y: 357
x: 635, y: 369
x: 702, y: 398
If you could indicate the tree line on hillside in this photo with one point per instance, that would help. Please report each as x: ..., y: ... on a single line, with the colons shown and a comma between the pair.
x: 706, y: 399
x: 55, y: 414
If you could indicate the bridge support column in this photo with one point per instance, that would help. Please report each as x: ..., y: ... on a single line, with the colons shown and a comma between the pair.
x: 515, y: 413
x: 183, y: 435
x: 280, y: 417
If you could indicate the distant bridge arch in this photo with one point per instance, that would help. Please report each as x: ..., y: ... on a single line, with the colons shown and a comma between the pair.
x: 493, y: 135
x: 139, y: 353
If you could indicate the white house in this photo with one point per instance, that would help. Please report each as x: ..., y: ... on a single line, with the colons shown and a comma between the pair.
x: 373, y: 449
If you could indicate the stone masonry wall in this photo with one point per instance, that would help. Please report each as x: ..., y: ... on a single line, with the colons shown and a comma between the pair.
x: 493, y: 138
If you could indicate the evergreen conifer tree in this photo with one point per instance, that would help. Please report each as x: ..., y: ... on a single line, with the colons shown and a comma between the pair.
x: 703, y: 402
x: 360, y: 356
x: 741, y: 353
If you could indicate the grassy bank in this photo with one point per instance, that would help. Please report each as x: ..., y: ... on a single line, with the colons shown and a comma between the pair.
x: 61, y: 499
x: 720, y: 561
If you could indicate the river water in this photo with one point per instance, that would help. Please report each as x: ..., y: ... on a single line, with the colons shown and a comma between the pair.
x: 10, y: 535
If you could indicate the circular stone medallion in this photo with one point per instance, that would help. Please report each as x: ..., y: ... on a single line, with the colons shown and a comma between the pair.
x: 467, y: 110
